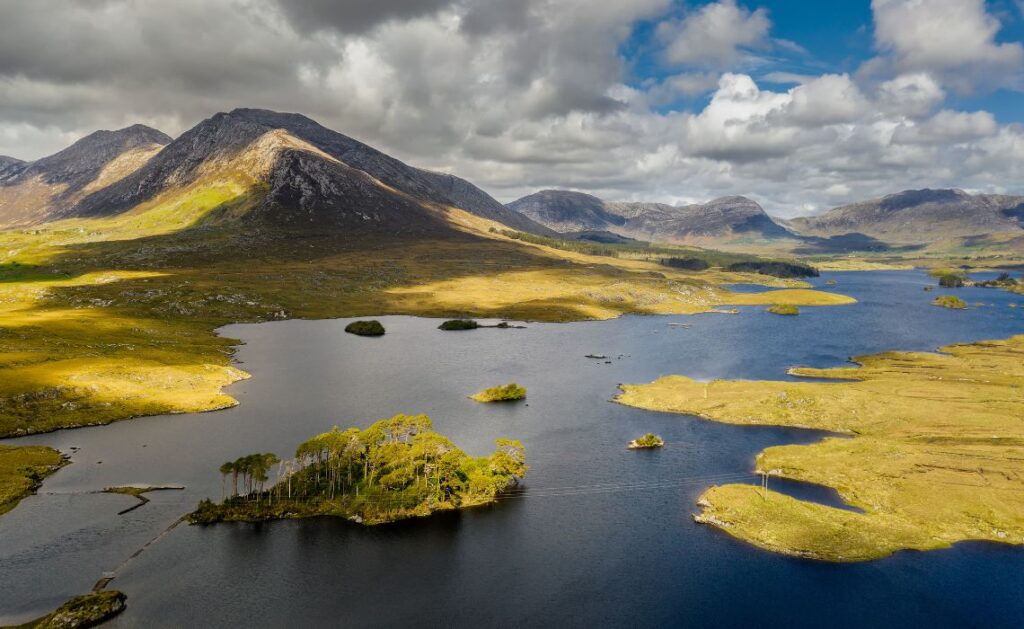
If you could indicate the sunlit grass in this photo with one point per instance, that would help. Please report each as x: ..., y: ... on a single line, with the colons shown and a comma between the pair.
x: 937, y: 454
x: 110, y: 318
x: 21, y: 471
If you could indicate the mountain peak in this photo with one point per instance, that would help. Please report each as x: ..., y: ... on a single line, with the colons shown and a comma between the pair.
x: 325, y: 176
x: 567, y: 211
x: 9, y: 163
x: 912, y: 198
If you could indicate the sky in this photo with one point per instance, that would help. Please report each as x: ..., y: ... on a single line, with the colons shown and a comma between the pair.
x: 801, y: 106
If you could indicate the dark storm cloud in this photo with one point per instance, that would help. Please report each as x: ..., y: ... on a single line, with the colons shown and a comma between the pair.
x: 355, y: 16
x: 483, y: 17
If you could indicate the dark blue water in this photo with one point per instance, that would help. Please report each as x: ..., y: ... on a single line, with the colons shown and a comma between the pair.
x: 603, y: 536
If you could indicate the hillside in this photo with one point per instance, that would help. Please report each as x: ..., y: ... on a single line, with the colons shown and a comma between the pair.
x: 324, y: 176
x: 565, y: 211
x: 722, y: 221
x: 920, y: 217
x: 34, y: 192
x: 8, y: 163
x: 111, y: 298
x: 294, y: 170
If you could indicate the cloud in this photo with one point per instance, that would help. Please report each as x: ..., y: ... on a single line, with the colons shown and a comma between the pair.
x: 348, y: 16
x: 716, y: 35
x: 948, y: 128
x: 683, y: 85
x: 911, y: 95
x: 515, y: 96
x: 828, y: 99
x: 954, y: 40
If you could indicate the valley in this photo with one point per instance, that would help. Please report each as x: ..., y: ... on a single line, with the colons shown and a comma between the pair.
x: 114, y: 290
x: 112, y: 316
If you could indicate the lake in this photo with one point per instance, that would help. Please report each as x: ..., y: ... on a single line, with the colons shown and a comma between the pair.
x: 602, y: 536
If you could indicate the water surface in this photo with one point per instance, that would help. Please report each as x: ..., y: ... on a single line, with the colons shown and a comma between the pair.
x: 603, y: 536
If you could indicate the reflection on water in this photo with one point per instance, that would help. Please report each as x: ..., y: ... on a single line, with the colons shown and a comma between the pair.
x: 602, y: 536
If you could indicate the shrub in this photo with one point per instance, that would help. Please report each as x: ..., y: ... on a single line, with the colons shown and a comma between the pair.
x: 688, y: 264
x: 650, y: 440
x: 459, y: 324
x: 505, y: 393
x: 774, y: 268
x: 950, y: 301
x: 365, y: 328
x: 951, y: 280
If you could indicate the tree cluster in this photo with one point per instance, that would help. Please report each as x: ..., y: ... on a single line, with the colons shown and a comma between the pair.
x: 397, y: 465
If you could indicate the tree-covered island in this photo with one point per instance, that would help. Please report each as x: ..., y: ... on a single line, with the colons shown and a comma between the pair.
x: 510, y: 392
x: 397, y: 468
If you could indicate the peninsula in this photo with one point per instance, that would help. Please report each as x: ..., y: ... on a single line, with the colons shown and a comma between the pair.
x: 934, y: 455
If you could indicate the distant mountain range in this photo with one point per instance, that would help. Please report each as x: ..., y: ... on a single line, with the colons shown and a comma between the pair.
x: 910, y: 218
x: 919, y: 217
x: 725, y: 219
x: 301, y: 174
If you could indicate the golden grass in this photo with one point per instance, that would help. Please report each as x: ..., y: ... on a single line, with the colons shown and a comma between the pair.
x: 859, y: 264
x: 937, y: 454
x: 111, y: 318
x: 22, y: 469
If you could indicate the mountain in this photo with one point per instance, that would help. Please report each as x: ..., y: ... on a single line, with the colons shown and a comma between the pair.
x: 295, y: 171
x: 8, y: 163
x: 919, y: 217
x: 728, y: 219
x: 565, y: 211
x: 31, y: 192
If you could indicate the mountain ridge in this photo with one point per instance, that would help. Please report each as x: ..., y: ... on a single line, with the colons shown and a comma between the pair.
x: 32, y: 192
x: 369, y: 186
x: 919, y: 216
x: 719, y: 220
x: 907, y: 218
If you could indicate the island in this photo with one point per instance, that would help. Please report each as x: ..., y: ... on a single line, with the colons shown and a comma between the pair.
x: 504, y: 393
x: 365, y: 328
x: 932, y: 452
x: 647, y: 442
x: 88, y: 610
x: 788, y: 310
x: 22, y: 470
x: 950, y: 301
x: 1003, y: 281
x: 949, y: 278
x: 459, y: 324
x: 397, y: 468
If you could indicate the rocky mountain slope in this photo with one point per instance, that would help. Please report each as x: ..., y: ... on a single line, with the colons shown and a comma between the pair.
x: 565, y: 211
x: 297, y: 172
x: 728, y: 219
x: 8, y: 163
x: 32, y: 192
x: 919, y: 217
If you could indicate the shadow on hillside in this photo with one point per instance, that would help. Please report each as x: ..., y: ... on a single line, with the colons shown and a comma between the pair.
x: 849, y: 243
x: 252, y: 270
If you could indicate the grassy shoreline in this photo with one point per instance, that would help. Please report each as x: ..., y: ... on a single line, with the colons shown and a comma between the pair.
x: 935, y: 457
x: 100, y: 326
x: 22, y: 471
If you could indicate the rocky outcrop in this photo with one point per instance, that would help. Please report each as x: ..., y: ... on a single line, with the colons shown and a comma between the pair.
x: 919, y: 217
